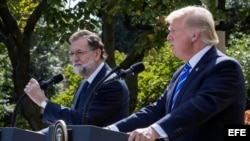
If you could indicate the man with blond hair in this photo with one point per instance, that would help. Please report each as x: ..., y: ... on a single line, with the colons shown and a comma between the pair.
x: 204, y: 95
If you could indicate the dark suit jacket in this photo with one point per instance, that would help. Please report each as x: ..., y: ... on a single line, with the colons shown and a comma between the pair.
x: 109, y: 105
x: 212, y: 96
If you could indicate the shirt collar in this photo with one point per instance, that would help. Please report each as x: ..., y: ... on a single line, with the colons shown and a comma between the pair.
x: 93, y: 75
x: 196, y: 58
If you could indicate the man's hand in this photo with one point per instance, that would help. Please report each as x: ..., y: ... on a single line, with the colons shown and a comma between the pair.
x: 143, y: 134
x: 35, y: 93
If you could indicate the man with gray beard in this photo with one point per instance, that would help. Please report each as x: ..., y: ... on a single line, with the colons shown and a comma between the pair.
x: 110, y: 103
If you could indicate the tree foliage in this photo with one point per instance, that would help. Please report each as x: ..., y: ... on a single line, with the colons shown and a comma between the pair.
x: 65, y: 97
x: 31, y: 31
x: 160, y: 66
x: 6, y: 87
x: 239, y: 48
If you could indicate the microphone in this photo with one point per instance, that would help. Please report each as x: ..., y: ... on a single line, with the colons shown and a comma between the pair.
x: 54, y: 80
x: 43, y: 84
x: 134, y: 69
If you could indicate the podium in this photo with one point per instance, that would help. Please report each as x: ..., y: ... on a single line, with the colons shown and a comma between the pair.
x: 75, y: 133
x: 90, y: 133
x: 16, y: 134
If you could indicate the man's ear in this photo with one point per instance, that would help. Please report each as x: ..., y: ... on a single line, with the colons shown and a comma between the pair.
x: 195, y: 35
x: 97, y: 54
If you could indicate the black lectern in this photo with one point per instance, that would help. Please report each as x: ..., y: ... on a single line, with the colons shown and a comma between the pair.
x: 16, y: 134
x: 90, y: 133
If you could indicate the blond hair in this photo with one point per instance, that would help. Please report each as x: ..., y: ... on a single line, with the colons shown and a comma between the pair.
x: 198, y: 18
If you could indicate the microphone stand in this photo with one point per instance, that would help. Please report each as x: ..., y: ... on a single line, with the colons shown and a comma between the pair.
x: 92, y: 94
x: 13, y: 118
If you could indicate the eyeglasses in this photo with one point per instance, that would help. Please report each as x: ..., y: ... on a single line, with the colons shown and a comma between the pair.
x: 78, y: 54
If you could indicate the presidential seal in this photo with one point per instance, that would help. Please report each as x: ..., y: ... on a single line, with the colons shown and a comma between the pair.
x: 60, y: 132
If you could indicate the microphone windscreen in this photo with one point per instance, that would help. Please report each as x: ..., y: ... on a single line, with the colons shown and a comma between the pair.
x: 138, y: 67
x: 57, y: 78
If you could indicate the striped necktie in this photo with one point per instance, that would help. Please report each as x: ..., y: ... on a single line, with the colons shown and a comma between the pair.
x: 183, y: 76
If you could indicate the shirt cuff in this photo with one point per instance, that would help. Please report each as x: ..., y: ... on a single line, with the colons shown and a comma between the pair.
x: 160, y: 131
x: 113, y: 128
x: 44, y: 104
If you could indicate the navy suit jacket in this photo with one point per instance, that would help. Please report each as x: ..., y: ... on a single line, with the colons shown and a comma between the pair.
x: 212, y: 96
x: 110, y: 104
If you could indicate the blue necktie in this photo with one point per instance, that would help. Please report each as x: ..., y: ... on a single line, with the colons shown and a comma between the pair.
x: 82, y: 88
x: 183, y: 76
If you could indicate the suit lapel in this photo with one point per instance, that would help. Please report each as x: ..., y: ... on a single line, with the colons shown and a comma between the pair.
x: 200, y: 66
x: 93, y: 84
x: 99, y: 77
x: 77, y: 94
